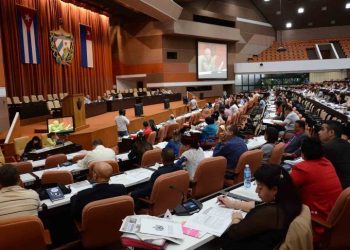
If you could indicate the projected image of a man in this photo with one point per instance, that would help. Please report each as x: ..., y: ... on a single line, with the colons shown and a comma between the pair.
x: 207, y: 61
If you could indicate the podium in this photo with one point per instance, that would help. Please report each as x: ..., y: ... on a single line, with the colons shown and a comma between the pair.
x: 74, y: 105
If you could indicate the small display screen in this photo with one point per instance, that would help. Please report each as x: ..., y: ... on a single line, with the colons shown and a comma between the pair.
x: 60, y: 125
x: 190, y: 205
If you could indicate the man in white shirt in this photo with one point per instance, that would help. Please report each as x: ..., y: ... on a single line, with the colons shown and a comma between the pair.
x: 193, y: 104
x: 171, y: 120
x: 122, y: 123
x: 99, y: 153
x: 15, y: 201
x: 289, y: 121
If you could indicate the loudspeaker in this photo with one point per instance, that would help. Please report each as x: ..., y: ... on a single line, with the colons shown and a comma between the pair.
x: 138, y: 109
x: 166, y: 103
x: 185, y: 100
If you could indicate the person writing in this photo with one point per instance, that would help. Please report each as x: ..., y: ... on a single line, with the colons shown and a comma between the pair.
x: 265, y: 225
x: 52, y: 139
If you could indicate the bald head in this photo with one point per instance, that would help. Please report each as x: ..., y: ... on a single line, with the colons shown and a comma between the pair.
x: 102, y: 172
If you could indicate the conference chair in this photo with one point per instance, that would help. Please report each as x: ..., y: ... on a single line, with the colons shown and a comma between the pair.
x: 57, y: 177
x: 336, y: 226
x: 144, y: 89
x: 253, y: 158
x: 9, y: 101
x: 26, y: 99
x: 114, y: 165
x: 20, y: 144
x: 209, y: 177
x: 126, y: 91
x: 55, y: 96
x: 61, y: 96
x: 140, y: 89
x: 299, y: 235
x: 161, y: 134
x: 169, y: 190
x: 131, y: 90
x: 76, y: 158
x: 50, y: 106
x: 135, y: 94
x: 41, y: 98
x: 33, y: 98
x: 65, y: 94
x: 25, y: 232
x: 15, y: 100
x: 151, y: 157
x: 49, y: 97
x: 113, y: 92
x: 53, y: 160
x: 277, y: 153
x: 23, y: 167
x: 102, y: 219
x: 57, y: 104
x: 170, y: 129
x: 120, y: 96
x: 135, y: 90
x: 152, y: 137
x: 2, y: 158
x: 108, y: 92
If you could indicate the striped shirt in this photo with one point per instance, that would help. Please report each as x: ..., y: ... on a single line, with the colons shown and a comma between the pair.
x: 16, y: 201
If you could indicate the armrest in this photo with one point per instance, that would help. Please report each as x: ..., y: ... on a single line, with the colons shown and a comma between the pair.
x: 147, y: 201
x: 47, y: 237
x: 318, y: 220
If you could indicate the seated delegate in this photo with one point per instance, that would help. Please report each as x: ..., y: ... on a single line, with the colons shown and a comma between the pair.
x: 265, y: 225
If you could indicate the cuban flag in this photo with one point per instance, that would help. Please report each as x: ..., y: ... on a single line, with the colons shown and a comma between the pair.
x: 27, y: 21
x: 87, y: 56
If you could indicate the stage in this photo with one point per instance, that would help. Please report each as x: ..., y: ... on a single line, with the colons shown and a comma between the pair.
x: 104, y: 127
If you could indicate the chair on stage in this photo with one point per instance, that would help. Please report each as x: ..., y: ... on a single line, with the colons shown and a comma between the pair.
x: 49, y: 97
x: 26, y: 99
x: 151, y: 157
x: 102, y: 219
x: 166, y: 193
x: 61, y: 96
x: 253, y: 158
x: 57, y: 177
x: 41, y: 98
x: 16, y: 100
x: 336, y: 235
x: 209, y: 177
x: 23, y: 167
x: 114, y: 165
x: 33, y: 98
x: 277, y: 153
x: 25, y: 232
x: 152, y: 137
x: 53, y: 160
x: 55, y: 97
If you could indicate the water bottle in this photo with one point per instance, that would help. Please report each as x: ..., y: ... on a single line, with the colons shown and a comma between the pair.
x: 247, y: 176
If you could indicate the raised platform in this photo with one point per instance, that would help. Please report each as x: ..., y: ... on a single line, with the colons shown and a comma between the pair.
x: 103, y: 126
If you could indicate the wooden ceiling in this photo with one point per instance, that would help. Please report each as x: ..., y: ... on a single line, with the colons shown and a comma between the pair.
x: 317, y: 13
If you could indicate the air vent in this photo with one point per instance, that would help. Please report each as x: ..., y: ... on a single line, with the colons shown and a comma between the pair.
x: 215, y: 21
x: 171, y: 55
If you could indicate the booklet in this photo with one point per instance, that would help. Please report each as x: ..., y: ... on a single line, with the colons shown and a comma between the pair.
x: 55, y: 193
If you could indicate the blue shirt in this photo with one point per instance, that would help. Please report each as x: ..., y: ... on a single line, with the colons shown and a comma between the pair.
x: 175, y: 146
x: 209, y: 131
x: 231, y: 150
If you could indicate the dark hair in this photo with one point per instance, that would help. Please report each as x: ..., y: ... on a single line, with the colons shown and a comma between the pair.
x: 97, y: 142
x: 140, y: 137
x: 312, y: 149
x: 168, y: 155
x: 233, y: 129
x: 271, y: 134
x: 145, y: 124
x: 176, y: 135
x: 288, y: 108
x: 36, y: 138
x: 215, y: 115
x: 51, y: 134
x: 209, y: 120
x: 193, y: 141
x: 122, y: 112
x: 301, y: 123
x: 335, y: 126
x: 8, y: 175
x: 287, y: 196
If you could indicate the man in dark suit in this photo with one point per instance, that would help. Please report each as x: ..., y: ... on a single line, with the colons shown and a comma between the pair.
x: 101, y: 190
x: 336, y: 150
x: 293, y: 146
x: 168, y: 157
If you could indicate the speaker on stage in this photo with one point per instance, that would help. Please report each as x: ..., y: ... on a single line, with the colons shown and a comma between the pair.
x: 138, y: 109
x: 185, y: 100
x: 166, y: 103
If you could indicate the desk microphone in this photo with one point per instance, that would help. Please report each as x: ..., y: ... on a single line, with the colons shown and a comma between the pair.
x: 179, y: 191
x: 189, y: 207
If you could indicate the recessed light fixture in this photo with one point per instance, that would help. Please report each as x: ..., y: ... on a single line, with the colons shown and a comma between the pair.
x: 301, y: 10
x: 278, y: 12
x: 324, y: 8
x: 332, y: 21
x: 289, y: 25
x: 310, y: 24
x: 266, y: 0
x: 347, y: 6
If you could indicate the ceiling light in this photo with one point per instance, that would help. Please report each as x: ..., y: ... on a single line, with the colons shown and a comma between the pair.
x: 278, y: 12
x: 347, y: 6
x: 310, y: 23
x: 289, y: 25
x: 301, y: 10
x: 324, y: 8
x: 266, y: 0
x: 332, y: 21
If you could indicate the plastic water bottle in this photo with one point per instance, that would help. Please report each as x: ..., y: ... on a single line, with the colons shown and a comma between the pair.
x: 247, y: 176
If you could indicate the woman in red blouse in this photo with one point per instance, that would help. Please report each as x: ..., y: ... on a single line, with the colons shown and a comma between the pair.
x: 317, y: 181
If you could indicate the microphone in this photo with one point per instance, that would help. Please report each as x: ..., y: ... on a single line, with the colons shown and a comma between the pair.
x: 179, y: 191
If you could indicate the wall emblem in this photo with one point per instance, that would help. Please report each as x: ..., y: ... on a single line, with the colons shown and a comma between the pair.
x: 62, y: 45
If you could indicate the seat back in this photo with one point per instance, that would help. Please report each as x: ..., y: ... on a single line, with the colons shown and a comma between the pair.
x: 16, y: 100
x: 161, y: 134
x: 41, y: 98
x: 120, y: 96
x: 251, y: 157
x: 339, y: 219
x: 114, y: 165
x: 9, y: 101
x: 209, y: 177
x: 57, y: 176
x: 277, y: 153
x: 53, y: 160
x: 23, y: 167
x: 57, y: 104
x: 135, y: 94
x: 20, y: 144
x: 151, y: 157
x: 164, y: 197
x: 152, y: 137
x: 50, y: 105
x: 299, y: 235
x: 102, y: 219
x: 61, y: 96
x: 44, y: 142
x: 34, y: 98
x: 49, y: 97
x: 55, y: 96
x: 26, y: 99
x: 25, y: 232
x: 170, y: 129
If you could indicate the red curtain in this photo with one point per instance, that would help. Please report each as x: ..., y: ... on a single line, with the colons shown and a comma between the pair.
x: 48, y: 76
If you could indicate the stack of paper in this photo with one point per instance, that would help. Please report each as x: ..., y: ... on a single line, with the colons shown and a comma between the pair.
x: 294, y: 162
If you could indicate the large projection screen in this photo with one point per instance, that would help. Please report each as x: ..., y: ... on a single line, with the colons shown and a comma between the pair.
x: 211, y: 60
